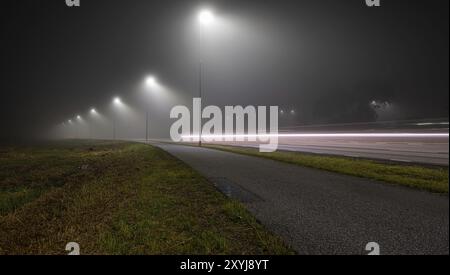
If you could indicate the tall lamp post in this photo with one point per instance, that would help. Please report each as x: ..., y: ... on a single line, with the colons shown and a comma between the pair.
x: 205, y: 17
x: 150, y: 82
x: 117, y: 102
x: 79, y: 120
x: 93, y: 113
x: 71, y: 128
x: 146, y: 126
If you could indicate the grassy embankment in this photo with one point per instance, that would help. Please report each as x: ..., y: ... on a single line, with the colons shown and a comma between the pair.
x: 118, y: 198
x: 434, y: 179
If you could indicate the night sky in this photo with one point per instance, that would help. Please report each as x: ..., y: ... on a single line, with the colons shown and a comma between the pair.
x: 327, y: 59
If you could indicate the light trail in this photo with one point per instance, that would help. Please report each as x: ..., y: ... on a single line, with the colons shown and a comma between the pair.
x: 432, y: 123
x: 331, y: 135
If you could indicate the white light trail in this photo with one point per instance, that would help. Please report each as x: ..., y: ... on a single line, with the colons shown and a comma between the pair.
x: 432, y: 123
x: 330, y: 135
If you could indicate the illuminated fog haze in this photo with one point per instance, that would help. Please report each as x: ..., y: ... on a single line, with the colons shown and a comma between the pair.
x: 321, y: 61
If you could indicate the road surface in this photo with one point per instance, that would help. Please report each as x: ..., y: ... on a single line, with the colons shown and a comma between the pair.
x: 430, y: 151
x: 375, y: 142
x: 318, y: 212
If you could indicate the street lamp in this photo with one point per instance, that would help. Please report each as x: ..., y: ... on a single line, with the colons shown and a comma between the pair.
x: 70, y: 131
x: 93, y: 114
x: 78, y: 126
x: 117, y: 102
x: 205, y: 17
x: 150, y: 81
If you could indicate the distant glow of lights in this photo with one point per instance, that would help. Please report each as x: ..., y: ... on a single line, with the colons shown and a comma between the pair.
x: 292, y: 112
x: 69, y: 121
x: 333, y: 135
x: 93, y: 111
x: 79, y: 117
x: 205, y: 17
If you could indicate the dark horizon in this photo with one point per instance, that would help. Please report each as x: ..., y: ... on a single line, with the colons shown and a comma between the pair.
x: 326, y: 59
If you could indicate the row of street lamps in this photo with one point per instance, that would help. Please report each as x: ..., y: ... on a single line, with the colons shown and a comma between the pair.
x: 117, y: 102
x: 205, y: 17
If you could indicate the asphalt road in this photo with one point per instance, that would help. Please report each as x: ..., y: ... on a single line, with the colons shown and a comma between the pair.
x: 430, y: 151
x: 423, y: 150
x: 325, y: 213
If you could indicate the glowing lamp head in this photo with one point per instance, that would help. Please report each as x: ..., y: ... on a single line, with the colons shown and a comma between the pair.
x: 117, y: 101
x: 205, y: 17
x: 79, y: 117
x: 93, y: 111
x: 150, y: 81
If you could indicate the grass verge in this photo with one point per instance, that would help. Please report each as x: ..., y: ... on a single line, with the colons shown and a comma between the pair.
x: 425, y: 178
x: 118, y: 198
